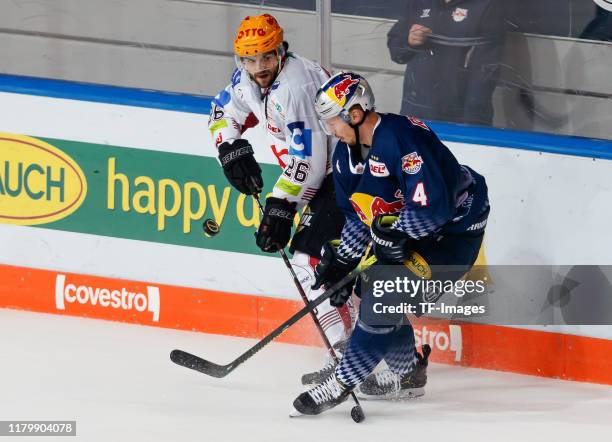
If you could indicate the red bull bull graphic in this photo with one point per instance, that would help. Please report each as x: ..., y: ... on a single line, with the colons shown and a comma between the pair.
x: 360, y: 213
x: 342, y: 89
x: 381, y: 207
x: 411, y: 163
x: 368, y: 207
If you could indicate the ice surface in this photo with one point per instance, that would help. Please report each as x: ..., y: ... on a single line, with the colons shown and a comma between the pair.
x: 117, y: 381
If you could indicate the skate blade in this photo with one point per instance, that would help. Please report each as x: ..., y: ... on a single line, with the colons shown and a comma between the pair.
x: 403, y: 395
x: 295, y: 413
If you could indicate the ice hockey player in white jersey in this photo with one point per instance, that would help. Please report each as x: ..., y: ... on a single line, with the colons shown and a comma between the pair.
x: 273, y: 87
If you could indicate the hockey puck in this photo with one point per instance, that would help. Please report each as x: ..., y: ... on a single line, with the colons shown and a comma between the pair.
x: 357, y: 414
x: 210, y: 227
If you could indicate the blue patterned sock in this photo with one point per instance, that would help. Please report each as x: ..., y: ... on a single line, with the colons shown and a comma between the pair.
x: 401, y: 355
x: 367, y: 347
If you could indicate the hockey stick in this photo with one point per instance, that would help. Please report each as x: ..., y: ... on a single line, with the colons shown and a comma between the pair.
x: 197, y: 363
x: 357, y: 412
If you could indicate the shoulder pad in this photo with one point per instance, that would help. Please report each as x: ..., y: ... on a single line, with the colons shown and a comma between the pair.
x: 416, y: 122
x: 222, y: 98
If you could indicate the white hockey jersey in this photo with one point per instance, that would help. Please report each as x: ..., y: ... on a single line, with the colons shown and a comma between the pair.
x: 286, y: 109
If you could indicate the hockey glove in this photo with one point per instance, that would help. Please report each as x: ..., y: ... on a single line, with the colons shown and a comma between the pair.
x: 275, y: 228
x: 391, y: 246
x: 331, y: 269
x: 240, y: 167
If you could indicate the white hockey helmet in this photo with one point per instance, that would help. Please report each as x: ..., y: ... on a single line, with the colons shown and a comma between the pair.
x: 341, y: 92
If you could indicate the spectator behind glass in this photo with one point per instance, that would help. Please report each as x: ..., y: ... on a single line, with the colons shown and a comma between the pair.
x: 600, y: 28
x: 452, y: 50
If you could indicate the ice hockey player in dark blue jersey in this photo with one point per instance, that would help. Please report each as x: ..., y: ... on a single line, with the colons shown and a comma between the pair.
x: 386, y: 164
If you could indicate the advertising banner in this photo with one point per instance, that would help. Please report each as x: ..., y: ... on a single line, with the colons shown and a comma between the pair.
x: 124, y: 193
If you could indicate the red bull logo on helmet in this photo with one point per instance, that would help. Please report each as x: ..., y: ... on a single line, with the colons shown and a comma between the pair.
x: 341, y: 90
x: 411, y: 163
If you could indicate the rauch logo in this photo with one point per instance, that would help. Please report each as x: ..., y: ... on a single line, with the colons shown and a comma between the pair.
x: 38, y: 182
x: 119, y: 298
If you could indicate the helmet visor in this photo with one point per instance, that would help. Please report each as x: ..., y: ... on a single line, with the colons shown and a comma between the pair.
x: 258, y: 62
x: 330, y: 125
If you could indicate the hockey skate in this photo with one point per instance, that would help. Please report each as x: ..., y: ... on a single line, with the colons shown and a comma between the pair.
x: 320, y: 398
x: 316, y: 377
x: 386, y: 385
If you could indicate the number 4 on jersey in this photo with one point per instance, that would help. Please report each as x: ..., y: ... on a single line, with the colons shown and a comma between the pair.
x: 420, y: 196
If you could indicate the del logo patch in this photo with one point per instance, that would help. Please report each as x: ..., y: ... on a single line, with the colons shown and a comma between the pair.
x: 378, y: 169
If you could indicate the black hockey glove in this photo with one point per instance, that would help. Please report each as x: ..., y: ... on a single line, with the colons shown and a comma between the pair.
x: 240, y: 167
x: 275, y: 228
x: 390, y: 246
x: 331, y: 269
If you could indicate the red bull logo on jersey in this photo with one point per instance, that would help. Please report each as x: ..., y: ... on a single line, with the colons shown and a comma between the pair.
x: 381, y: 207
x: 460, y: 14
x: 341, y: 90
x: 412, y: 163
x: 368, y: 207
x: 360, y: 213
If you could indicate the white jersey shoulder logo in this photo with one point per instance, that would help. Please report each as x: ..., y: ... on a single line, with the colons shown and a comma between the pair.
x: 276, y: 107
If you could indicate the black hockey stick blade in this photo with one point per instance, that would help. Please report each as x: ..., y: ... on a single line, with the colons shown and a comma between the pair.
x: 196, y: 363
x: 193, y: 362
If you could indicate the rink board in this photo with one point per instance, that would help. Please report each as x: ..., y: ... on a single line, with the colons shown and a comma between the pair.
x: 128, y: 246
x: 557, y: 355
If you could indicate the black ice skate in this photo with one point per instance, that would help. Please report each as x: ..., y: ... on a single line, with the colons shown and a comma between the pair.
x: 324, y: 396
x: 387, y: 385
x: 316, y: 377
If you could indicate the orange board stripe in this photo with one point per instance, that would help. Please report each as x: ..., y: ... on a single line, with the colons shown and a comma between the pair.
x: 492, y: 347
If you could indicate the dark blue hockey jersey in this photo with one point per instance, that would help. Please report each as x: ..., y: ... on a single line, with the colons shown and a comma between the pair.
x: 451, y: 78
x: 408, y: 172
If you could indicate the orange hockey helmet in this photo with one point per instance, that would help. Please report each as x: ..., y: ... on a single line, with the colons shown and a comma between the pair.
x: 257, y: 35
